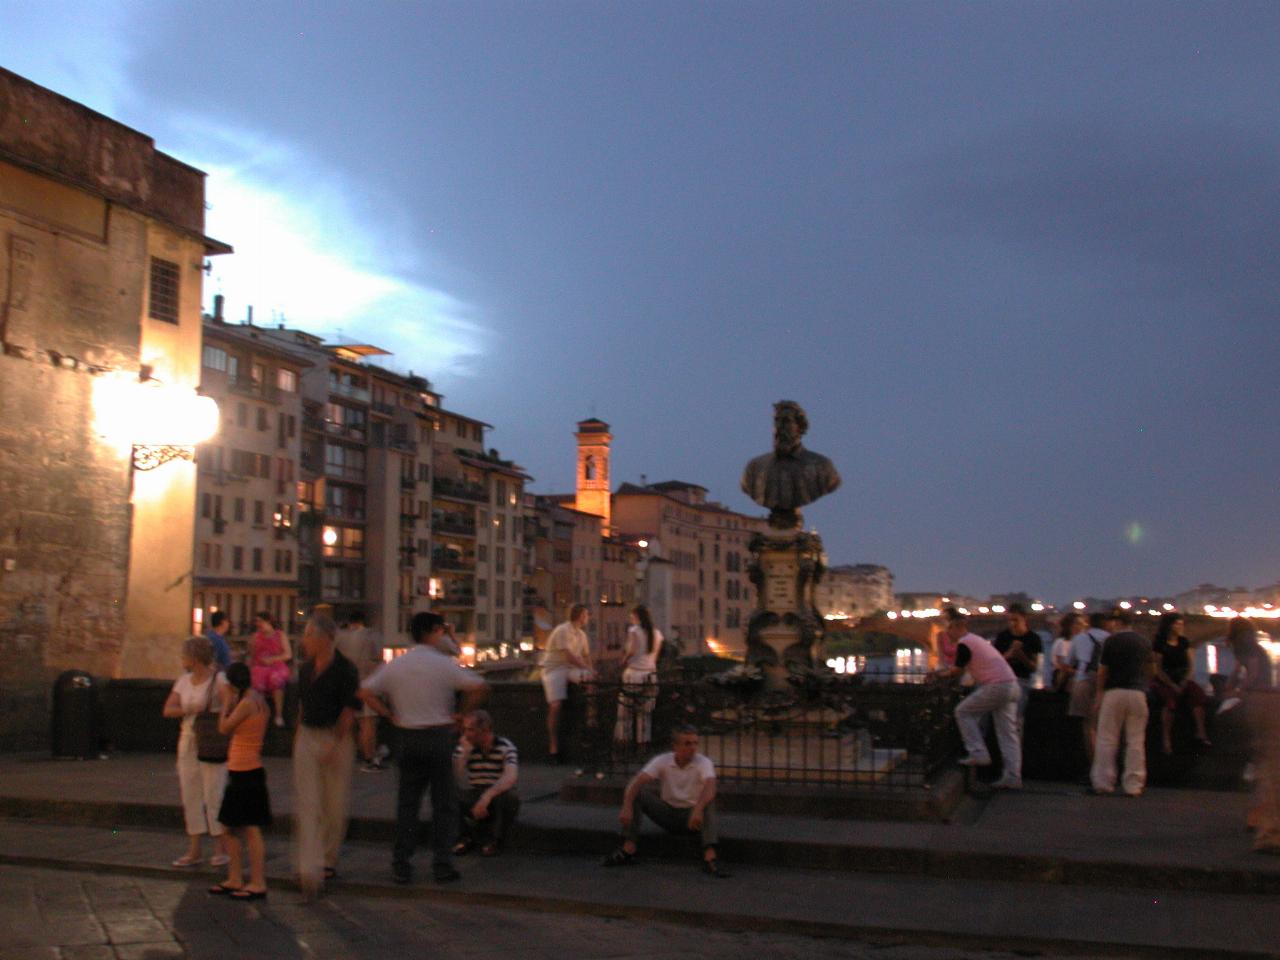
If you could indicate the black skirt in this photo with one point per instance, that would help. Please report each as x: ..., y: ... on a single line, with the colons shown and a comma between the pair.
x: 245, y: 802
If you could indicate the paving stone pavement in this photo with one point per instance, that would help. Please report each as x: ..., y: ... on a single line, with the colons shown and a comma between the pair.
x: 57, y: 915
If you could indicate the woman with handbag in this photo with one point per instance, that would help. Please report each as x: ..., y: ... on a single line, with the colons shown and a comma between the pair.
x: 200, y: 781
x: 246, y: 808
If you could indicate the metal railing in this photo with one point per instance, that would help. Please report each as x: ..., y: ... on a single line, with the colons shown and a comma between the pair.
x: 461, y: 489
x: 826, y: 732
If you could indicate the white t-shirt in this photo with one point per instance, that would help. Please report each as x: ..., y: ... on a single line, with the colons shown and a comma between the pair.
x: 1060, y: 652
x: 421, y: 685
x: 565, y: 637
x: 194, y: 697
x: 681, y: 786
x: 638, y: 655
x: 361, y: 647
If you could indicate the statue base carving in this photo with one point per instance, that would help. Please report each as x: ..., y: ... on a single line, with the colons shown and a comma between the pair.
x: 785, y: 629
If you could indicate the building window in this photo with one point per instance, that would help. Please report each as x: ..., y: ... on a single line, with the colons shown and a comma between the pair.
x: 482, y: 621
x: 287, y: 381
x: 215, y: 359
x: 164, y: 291
x: 237, y: 558
x: 238, y: 514
x: 259, y: 513
x: 257, y: 559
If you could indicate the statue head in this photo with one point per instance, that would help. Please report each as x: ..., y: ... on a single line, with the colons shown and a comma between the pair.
x: 789, y: 425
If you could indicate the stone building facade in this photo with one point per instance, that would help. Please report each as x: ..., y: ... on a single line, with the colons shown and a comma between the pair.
x: 853, y: 591
x: 101, y: 253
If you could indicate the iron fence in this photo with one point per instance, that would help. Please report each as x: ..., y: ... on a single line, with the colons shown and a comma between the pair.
x: 826, y: 731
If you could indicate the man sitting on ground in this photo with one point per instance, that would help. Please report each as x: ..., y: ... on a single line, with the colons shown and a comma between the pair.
x: 485, y: 767
x: 683, y: 803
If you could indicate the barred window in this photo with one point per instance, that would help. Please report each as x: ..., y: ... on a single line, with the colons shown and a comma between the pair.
x: 164, y: 290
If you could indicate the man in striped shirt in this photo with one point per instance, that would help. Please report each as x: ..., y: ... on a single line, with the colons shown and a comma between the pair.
x: 486, y: 767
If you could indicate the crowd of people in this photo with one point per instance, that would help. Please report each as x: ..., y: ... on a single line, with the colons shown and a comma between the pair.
x: 1110, y: 675
x: 445, y: 745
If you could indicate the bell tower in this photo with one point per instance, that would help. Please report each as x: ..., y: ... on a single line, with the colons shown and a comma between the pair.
x: 592, y: 494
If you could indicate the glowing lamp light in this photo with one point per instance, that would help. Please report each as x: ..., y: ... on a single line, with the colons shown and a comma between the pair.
x: 1168, y: 607
x: 329, y: 536
x: 998, y: 608
x: 1037, y: 607
x: 1079, y: 605
x: 892, y: 615
x: 642, y: 544
x: 1125, y: 604
x: 984, y: 609
x: 158, y: 422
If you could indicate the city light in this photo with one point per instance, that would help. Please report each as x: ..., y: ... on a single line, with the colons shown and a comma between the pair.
x: 1125, y: 605
x: 998, y: 608
x: 1168, y: 607
x: 1267, y: 612
x: 1037, y: 607
x: 129, y: 412
x: 1079, y: 605
x: 642, y: 544
x: 329, y: 536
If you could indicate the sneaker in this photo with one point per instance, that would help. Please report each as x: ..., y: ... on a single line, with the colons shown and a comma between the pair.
x: 1007, y: 783
x: 972, y: 761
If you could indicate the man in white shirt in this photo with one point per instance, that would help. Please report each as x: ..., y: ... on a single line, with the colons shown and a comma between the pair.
x: 421, y: 687
x: 567, y: 660
x: 1086, y: 649
x: 683, y: 803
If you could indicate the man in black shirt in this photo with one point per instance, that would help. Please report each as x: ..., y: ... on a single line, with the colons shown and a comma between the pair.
x: 1020, y: 646
x: 1124, y: 670
x: 323, y: 753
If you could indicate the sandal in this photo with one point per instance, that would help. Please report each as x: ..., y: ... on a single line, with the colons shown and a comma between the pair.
x: 187, y: 860
x: 619, y: 858
x: 243, y: 894
x: 712, y: 868
x: 222, y: 890
x: 463, y: 847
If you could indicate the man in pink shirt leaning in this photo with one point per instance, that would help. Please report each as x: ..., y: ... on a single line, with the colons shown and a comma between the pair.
x: 996, y: 692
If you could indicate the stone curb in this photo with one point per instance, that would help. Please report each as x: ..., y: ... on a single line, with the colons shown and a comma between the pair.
x: 720, y: 920
x: 534, y: 837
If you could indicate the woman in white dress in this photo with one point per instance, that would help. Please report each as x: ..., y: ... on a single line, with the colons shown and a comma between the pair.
x: 639, y: 679
x: 201, y: 784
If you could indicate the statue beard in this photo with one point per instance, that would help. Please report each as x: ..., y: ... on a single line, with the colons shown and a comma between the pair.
x: 786, y: 441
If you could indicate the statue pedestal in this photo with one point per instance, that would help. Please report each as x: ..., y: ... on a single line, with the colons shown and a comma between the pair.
x: 785, y: 628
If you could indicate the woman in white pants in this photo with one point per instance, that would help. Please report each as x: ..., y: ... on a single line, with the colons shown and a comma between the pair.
x: 640, y: 680
x: 199, y: 688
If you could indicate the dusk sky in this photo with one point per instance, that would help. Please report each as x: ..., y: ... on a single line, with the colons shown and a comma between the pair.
x: 1018, y: 261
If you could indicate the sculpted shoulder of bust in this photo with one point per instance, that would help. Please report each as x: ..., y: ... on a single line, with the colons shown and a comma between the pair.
x: 791, y: 476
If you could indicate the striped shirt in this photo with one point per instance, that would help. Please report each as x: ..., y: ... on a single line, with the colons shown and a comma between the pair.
x: 484, y: 767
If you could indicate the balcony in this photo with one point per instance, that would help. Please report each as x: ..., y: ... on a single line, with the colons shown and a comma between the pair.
x: 408, y: 483
x: 451, y: 560
x: 341, y: 471
x: 355, y: 432
x: 408, y: 556
x: 464, y: 599
x: 453, y: 523
x: 460, y: 490
x: 386, y: 409
x: 408, y: 520
x: 350, y: 391
x: 248, y: 387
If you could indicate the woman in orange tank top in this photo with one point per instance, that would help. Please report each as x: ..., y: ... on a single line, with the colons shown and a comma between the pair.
x: 246, y: 808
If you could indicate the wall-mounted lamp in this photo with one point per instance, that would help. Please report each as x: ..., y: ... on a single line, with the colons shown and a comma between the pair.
x: 157, y: 422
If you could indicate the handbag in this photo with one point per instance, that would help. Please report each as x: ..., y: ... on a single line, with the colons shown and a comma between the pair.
x: 211, y: 746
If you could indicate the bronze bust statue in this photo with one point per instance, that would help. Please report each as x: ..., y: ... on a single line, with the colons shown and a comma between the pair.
x: 791, y: 476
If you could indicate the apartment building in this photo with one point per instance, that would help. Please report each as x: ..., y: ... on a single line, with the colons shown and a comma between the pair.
x: 477, y: 558
x: 246, y: 557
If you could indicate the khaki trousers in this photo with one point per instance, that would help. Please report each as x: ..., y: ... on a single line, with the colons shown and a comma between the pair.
x: 1122, y: 712
x: 322, y: 799
x: 1262, y: 711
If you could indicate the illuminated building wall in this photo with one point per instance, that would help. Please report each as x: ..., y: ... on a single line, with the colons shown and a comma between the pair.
x: 101, y: 256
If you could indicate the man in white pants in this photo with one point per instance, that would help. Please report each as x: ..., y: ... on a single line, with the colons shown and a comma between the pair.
x: 323, y: 753
x: 567, y: 660
x: 1120, y: 705
x: 996, y: 692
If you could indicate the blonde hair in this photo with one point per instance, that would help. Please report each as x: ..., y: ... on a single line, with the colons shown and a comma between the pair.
x: 199, y: 649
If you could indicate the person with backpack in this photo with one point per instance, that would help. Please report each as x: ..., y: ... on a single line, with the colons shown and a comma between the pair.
x: 1082, y: 661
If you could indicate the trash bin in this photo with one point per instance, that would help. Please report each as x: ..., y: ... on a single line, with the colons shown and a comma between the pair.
x: 76, y: 716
